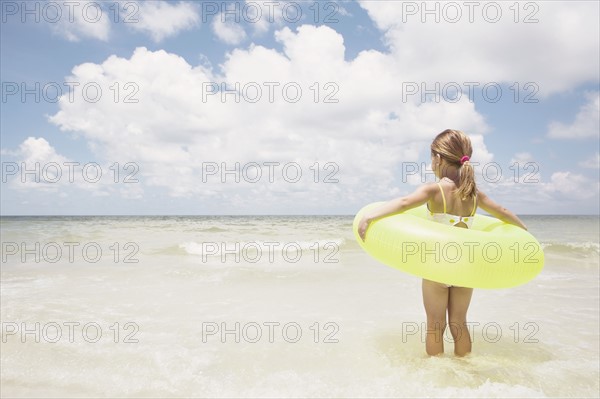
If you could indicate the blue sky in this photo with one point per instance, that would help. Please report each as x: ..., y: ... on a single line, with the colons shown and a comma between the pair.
x: 156, y: 138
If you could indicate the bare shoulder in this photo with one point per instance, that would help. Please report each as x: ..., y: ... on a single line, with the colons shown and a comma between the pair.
x: 485, y: 201
x: 424, y: 192
x: 430, y: 188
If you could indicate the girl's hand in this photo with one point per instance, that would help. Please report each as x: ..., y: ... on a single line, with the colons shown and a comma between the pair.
x: 363, y: 225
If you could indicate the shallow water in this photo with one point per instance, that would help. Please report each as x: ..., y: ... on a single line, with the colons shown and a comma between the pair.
x: 276, y: 307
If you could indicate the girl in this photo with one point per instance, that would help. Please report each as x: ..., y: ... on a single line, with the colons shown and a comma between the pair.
x: 453, y: 201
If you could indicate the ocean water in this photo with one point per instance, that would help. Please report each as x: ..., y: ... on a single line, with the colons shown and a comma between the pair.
x: 259, y: 306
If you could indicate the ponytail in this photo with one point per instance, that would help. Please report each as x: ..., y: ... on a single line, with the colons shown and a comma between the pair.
x: 467, y: 187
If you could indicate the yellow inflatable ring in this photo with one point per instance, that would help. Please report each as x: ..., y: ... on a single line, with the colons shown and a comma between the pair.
x: 491, y: 254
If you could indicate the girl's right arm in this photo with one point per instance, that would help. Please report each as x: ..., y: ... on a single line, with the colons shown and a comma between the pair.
x: 497, y: 211
x: 420, y: 196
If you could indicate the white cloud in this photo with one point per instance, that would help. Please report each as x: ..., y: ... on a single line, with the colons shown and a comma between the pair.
x: 172, y: 132
x: 162, y: 19
x: 585, y: 125
x: 572, y: 185
x: 36, y: 165
x: 77, y: 20
x: 591, y: 163
x: 523, y: 186
x: 529, y: 192
x: 548, y: 52
x: 38, y: 150
x: 339, y: 10
x: 262, y: 15
x: 228, y: 31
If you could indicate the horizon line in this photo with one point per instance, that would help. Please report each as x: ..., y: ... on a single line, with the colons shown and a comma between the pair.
x: 287, y: 214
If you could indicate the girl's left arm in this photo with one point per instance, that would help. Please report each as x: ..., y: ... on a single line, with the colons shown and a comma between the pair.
x: 420, y: 196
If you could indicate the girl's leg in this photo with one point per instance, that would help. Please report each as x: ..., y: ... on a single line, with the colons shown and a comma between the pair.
x: 458, y: 304
x: 435, y: 299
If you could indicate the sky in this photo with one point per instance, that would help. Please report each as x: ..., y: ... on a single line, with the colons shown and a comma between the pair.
x: 293, y: 107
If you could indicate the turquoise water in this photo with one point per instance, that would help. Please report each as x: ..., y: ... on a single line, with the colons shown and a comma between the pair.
x: 247, y: 306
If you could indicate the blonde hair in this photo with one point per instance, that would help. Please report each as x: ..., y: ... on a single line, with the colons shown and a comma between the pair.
x: 452, y: 146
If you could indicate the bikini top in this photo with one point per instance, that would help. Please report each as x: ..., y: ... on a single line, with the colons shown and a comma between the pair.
x: 452, y: 220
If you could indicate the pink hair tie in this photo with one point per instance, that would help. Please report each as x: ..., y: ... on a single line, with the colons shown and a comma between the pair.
x: 464, y: 159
